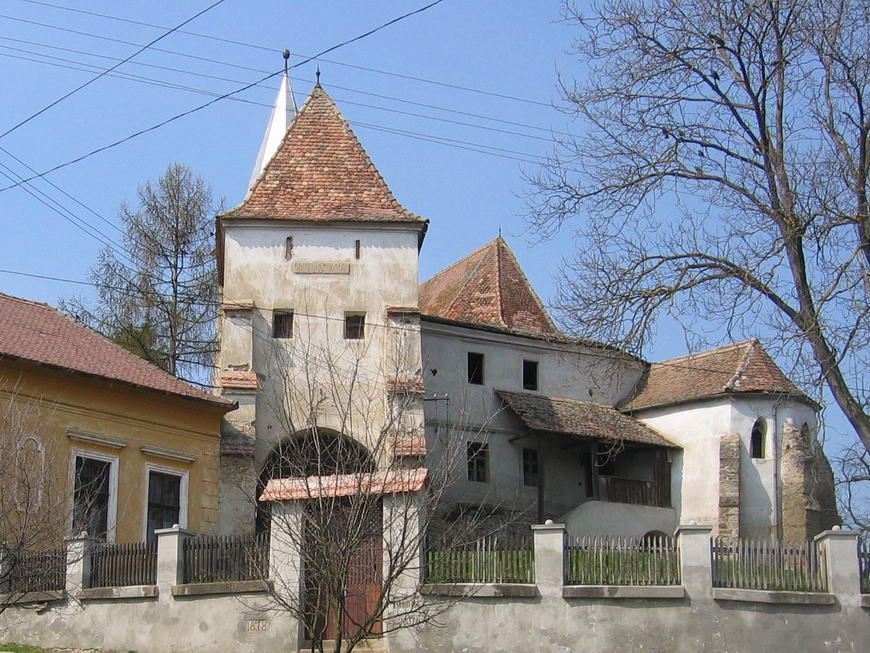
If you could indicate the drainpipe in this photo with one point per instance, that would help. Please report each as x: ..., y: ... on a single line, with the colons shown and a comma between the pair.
x: 777, y: 477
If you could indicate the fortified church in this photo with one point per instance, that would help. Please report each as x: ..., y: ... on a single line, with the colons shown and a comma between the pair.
x: 320, y: 281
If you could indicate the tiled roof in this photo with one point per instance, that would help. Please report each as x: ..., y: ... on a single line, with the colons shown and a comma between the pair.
x: 736, y: 368
x: 233, y: 380
x: 414, y: 446
x: 38, y: 333
x: 579, y: 418
x: 344, y: 485
x: 487, y: 287
x: 322, y: 172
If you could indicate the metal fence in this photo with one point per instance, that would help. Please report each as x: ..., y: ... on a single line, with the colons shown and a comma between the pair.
x: 119, y: 565
x: 864, y: 562
x: 39, y: 571
x: 218, y: 558
x: 608, y: 560
x: 497, y: 558
x: 768, y: 565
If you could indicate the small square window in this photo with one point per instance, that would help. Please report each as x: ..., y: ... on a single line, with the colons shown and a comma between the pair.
x: 354, y: 326
x: 475, y: 368
x: 478, y: 462
x: 282, y: 324
x: 530, y: 467
x: 530, y: 375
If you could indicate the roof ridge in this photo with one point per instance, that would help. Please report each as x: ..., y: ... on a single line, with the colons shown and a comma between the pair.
x: 455, y: 263
x: 24, y: 300
x: 499, y: 243
x: 734, y: 382
x: 529, y: 285
x: 475, y: 271
x: 701, y: 354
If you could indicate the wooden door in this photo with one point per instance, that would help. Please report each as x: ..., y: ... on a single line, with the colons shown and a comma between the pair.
x: 364, y: 586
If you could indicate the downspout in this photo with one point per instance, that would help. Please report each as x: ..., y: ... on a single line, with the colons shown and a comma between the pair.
x: 777, y: 476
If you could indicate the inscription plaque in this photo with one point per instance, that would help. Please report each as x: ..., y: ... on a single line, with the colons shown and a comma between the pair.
x: 321, y: 267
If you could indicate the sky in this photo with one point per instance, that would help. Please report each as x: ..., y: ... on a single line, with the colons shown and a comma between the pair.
x: 454, y: 106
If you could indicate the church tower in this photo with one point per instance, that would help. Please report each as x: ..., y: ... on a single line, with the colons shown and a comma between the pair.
x: 319, y: 326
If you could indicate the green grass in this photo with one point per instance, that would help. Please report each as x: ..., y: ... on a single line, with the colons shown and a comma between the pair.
x: 621, y: 568
x: 749, y: 576
x: 479, y: 567
x: 21, y: 648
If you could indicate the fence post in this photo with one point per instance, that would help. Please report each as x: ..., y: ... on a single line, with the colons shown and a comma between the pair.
x: 78, y: 563
x: 549, y: 541
x: 696, y: 573
x: 841, y: 565
x: 170, y: 559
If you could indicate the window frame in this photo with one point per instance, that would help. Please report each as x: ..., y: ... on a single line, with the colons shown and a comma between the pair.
x: 282, y: 312
x: 112, y: 511
x: 183, y: 496
x: 471, y: 461
x: 537, y: 368
x: 481, y: 369
x: 362, y: 325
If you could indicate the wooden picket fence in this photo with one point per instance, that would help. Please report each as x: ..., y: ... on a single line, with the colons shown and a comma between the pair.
x: 609, y: 560
x: 219, y: 558
x: 768, y: 565
x: 38, y: 571
x: 120, y: 565
x: 864, y: 562
x: 496, y: 558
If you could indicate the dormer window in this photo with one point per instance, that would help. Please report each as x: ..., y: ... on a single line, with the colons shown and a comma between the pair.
x: 756, y: 444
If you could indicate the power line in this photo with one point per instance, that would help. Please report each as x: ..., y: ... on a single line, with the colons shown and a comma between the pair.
x: 108, y: 70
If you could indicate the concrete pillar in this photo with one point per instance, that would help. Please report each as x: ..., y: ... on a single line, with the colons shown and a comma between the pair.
x: 549, y: 539
x: 696, y: 570
x: 403, y: 523
x: 285, y: 557
x: 78, y: 563
x: 841, y: 561
x: 170, y: 558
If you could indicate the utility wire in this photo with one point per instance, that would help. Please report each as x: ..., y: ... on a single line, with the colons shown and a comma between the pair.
x: 108, y: 70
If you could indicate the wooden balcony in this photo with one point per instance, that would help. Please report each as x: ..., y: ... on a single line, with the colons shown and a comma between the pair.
x: 629, y: 490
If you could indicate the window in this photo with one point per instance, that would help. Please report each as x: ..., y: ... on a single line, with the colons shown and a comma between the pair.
x: 530, y: 375
x: 530, y: 467
x: 282, y: 324
x: 92, y: 497
x: 164, y: 502
x: 757, y: 440
x: 354, y: 326
x: 478, y: 462
x: 357, y: 249
x: 475, y: 368
x: 288, y: 248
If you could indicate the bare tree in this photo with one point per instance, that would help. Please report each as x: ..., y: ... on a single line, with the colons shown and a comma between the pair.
x: 354, y: 492
x: 158, y: 296
x: 853, y: 476
x: 752, y: 117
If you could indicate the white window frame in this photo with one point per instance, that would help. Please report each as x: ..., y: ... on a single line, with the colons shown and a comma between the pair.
x: 112, y: 516
x: 184, y: 475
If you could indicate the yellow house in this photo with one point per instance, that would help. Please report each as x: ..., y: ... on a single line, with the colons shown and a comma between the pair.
x: 128, y: 447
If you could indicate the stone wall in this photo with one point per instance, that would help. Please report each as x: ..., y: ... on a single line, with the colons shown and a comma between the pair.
x: 729, y: 486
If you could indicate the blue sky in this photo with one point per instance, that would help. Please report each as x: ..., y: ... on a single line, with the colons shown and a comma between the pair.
x: 492, y: 49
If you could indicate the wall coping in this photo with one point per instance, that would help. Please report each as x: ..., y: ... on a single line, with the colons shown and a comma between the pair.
x: 623, y: 592
x: 837, y: 533
x: 865, y: 600
x: 695, y: 528
x: 227, y: 587
x: 174, y: 529
x: 480, y: 590
x: 548, y: 527
x: 32, y: 597
x: 125, y: 592
x: 770, y: 596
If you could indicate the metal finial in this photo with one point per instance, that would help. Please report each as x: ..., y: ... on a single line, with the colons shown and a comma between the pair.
x: 286, y: 55
x: 317, y: 74
x: 499, y: 231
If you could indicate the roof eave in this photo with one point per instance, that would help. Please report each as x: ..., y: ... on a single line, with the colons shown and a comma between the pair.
x: 799, y: 396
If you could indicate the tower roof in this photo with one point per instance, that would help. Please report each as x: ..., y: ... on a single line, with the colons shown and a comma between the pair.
x: 320, y: 172
x: 282, y: 116
x: 487, y: 287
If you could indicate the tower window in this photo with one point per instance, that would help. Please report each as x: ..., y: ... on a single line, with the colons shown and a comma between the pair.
x: 478, y: 462
x: 530, y: 375
x: 756, y: 445
x: 357, y: 249
x: 354, y: 326
x: 475, y: 368
x: 282, y: 325
x: 530, y: 467
x: 288, y: 248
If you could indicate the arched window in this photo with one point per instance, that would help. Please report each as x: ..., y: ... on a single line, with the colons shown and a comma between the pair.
x: 756, y: 446
x: 805, y: 434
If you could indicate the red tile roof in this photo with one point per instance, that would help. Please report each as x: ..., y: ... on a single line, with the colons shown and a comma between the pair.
x: 344, y: 485
x: 487, y: 287
x: 414, y: 446
x: 37, y: 333
x: 742, y: 367
x: 579, y: 418
x: 322, y: 172
x: 237, y: 380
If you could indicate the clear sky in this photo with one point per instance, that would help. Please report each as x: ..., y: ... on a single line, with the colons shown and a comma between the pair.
x: 496, y: 60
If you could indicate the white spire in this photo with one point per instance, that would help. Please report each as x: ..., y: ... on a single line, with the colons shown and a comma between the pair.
x: 282, y: 115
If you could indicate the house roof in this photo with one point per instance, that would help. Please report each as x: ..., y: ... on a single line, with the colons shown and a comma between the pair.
x: 487, y: 287
x: 38, y: 333
x: 344, y: 485
x: 321, y: 172
x: 579, y: 418
x: 742, y: 367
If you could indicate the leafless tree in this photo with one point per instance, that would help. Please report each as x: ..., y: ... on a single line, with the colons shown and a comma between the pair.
x: 853, y: 477
x: 351, y: 452
x: 751, y: 118
x: 157, y: 295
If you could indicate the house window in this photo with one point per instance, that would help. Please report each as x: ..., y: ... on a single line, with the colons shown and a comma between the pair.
x: 288, y: 248
x: 164, y: 502
x: 282, y: 324
x: 354, y: 326
x: 478, y: 462
x: 94, y: 491
x: 756, y: 445
x: 357, y: 249
x: 475, y: 368
x: 530, y: 375
x: 530, y: 467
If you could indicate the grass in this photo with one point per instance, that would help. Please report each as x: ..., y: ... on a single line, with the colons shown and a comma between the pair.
x: 21, y: 648
x: 480, y: 567
x: 589, y: 567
